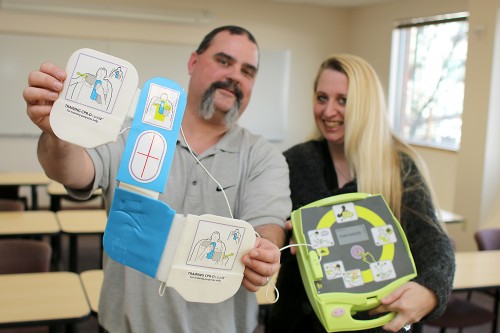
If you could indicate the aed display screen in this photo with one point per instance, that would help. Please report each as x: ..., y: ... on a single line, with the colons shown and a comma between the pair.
x: 352, y: 234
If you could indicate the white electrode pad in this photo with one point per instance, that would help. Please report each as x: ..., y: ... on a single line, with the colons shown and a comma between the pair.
x: 202, y: 257
x: 96, y: 97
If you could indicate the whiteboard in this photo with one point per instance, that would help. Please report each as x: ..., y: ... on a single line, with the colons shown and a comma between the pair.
x: 20, y: 54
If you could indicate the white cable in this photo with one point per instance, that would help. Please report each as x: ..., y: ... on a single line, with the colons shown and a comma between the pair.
x: 272, y: 284
x: 123, y: 130
x: 208, y: 173
x: 292, y: 245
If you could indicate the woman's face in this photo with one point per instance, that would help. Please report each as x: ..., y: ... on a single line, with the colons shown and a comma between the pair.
x: 329, y: 105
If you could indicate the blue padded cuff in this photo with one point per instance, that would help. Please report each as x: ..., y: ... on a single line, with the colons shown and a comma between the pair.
x: 137, y: 231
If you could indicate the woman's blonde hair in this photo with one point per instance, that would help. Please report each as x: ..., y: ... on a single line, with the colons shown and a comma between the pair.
x: 371, y: 147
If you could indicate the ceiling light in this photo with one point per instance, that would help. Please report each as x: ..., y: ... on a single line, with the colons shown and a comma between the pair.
x: 171, y: 16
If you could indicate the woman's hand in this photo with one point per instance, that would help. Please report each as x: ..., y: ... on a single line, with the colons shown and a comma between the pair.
x: 411, y: 302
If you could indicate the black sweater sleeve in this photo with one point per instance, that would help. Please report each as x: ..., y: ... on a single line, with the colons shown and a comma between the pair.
x: 430, y: 245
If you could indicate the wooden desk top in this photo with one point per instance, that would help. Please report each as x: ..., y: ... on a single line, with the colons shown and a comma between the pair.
x: 92, y: 282
x: 23, y: 178
x: 82, y: 221
x: 477, y: 270
x: 30, y: 222
x: 42, y: 298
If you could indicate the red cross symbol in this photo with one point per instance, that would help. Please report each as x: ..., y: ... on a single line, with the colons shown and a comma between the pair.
x: 147, y: 157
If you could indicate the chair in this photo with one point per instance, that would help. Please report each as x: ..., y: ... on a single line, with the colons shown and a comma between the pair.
x: 24, y: 256
x: 11, y: 205
x: 462, y: 312
x: 488, y: 239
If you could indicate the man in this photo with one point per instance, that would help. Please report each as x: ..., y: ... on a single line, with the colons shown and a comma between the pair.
x: 253, y: 174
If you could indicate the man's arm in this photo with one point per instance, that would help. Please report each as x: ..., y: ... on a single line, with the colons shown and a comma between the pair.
x: 64, y: 162
x: 272, y: 232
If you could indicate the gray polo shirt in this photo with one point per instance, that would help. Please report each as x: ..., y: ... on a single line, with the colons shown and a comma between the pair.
x: 254, y: 175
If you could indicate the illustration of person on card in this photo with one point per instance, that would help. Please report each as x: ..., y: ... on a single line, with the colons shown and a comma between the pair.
x: 93, y: 90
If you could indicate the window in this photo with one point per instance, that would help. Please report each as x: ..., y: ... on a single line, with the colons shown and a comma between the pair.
x: 427, y: 80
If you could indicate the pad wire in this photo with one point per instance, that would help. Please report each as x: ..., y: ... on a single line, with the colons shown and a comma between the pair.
x: 163, y: 285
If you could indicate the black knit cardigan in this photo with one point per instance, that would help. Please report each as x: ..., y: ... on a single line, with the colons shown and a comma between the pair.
x: 313, y: 177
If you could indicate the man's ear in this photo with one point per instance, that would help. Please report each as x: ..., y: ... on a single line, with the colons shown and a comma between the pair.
x: 193, y: 59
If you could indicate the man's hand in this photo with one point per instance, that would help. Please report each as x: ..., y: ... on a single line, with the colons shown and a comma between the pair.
x: 261, y: 263
x: 43, y: 89
x: 62, y: 161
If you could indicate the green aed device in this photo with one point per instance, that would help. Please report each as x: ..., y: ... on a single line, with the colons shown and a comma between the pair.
x: 360, y: 255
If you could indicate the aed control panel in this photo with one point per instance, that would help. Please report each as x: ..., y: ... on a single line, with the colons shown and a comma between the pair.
x: 360, y: 255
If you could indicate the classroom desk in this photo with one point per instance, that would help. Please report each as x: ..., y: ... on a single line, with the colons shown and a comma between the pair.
x: 478, y: 270
x: 57, y: 192
x: 92, y: 282
x: 23, y: 223
x: 33, y: 299
x: 32, y: 179
x: 80, y: 222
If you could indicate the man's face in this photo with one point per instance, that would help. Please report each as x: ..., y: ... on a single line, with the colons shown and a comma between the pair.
x: 223, y: 76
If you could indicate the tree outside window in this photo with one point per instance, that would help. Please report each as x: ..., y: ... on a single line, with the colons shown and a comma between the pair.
x: 427, y: 80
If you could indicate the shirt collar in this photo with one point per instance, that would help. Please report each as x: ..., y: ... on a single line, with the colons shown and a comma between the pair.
x: 230, y: 142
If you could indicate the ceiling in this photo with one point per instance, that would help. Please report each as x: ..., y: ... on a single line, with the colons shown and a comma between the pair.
x: 335, y: 3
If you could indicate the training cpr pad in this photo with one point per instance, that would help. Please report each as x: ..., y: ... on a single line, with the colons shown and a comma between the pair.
x: 95, y: 99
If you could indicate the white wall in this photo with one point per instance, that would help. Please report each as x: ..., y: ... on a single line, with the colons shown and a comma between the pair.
x: 310, y: 33
x: 491, y: 181
x: 466, y: 182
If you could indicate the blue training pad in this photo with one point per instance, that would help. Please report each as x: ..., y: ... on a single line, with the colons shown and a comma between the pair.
x: 137, y: 231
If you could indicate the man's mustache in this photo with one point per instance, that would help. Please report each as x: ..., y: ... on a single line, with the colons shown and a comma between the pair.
x: 228, y: 85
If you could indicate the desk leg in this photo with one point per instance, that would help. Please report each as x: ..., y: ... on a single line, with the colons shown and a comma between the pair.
x: 73, y: 253
x: 55, y: 203
x: 55, y: 241
x: 494, y: 324
x: 34, y: 197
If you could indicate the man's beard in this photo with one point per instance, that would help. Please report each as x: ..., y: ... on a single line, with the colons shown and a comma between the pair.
x: 207, y: 108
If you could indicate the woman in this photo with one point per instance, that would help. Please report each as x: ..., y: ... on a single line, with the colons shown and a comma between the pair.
x: 356, y: 151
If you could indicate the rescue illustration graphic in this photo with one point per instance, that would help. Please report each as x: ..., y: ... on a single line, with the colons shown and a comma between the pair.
x: 214, y: 245
x: 321, y: 238
x: 161, y: 105
x: 95, y: 82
